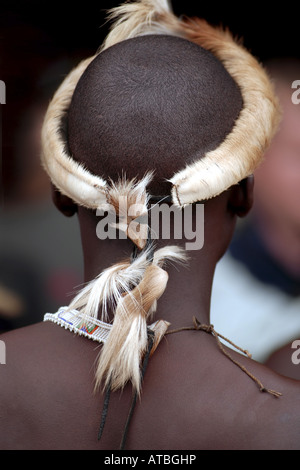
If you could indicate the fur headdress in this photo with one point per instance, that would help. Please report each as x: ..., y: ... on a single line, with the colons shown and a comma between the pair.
x: 134, y: 287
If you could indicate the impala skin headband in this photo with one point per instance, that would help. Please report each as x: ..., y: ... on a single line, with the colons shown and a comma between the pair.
x: 234, y: 159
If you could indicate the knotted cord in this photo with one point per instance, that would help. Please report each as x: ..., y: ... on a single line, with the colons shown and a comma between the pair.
x: 210, y: 329
x: 198, y: 327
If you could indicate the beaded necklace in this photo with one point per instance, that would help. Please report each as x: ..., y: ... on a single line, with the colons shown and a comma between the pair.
x: 80, y: 324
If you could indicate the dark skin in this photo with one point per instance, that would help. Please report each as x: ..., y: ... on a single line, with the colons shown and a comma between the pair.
x: 193, y: 397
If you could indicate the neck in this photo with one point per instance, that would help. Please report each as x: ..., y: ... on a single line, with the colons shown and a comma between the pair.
x: 189, y: 287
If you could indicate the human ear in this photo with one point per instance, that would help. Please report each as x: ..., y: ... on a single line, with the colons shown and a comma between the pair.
x: 241, y: 198
x: 63, y: 203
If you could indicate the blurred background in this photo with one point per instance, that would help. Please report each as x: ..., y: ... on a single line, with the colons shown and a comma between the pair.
x: 256, y: 295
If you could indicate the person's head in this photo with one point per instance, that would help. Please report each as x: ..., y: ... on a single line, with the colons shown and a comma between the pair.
x: 277, y: 180
x: 145, y: 105
x: 167, y: 109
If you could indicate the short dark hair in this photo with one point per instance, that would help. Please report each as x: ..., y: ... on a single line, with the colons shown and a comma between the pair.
x: 151, y: 103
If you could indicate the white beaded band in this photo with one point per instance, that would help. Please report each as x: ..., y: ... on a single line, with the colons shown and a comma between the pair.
x: 92, y: 328
x: 80, y: 324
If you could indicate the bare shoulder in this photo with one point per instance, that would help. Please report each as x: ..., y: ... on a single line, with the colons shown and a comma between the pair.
x: 35, y: 346
x: 21, y: 364
x: 29, y: 349
x: 46, y: 388
x: 20, y: 346
x: 193, y: 397
x: 214, y: 403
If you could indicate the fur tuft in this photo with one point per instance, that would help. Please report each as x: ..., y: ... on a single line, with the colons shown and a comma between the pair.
x: 121, y: 356
x: 130, y: 200
x: 104, y: 293
x: 120, y: 359
x: 138, y: 18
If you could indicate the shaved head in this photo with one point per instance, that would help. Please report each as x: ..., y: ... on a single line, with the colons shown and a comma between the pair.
x: 151, y: 103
